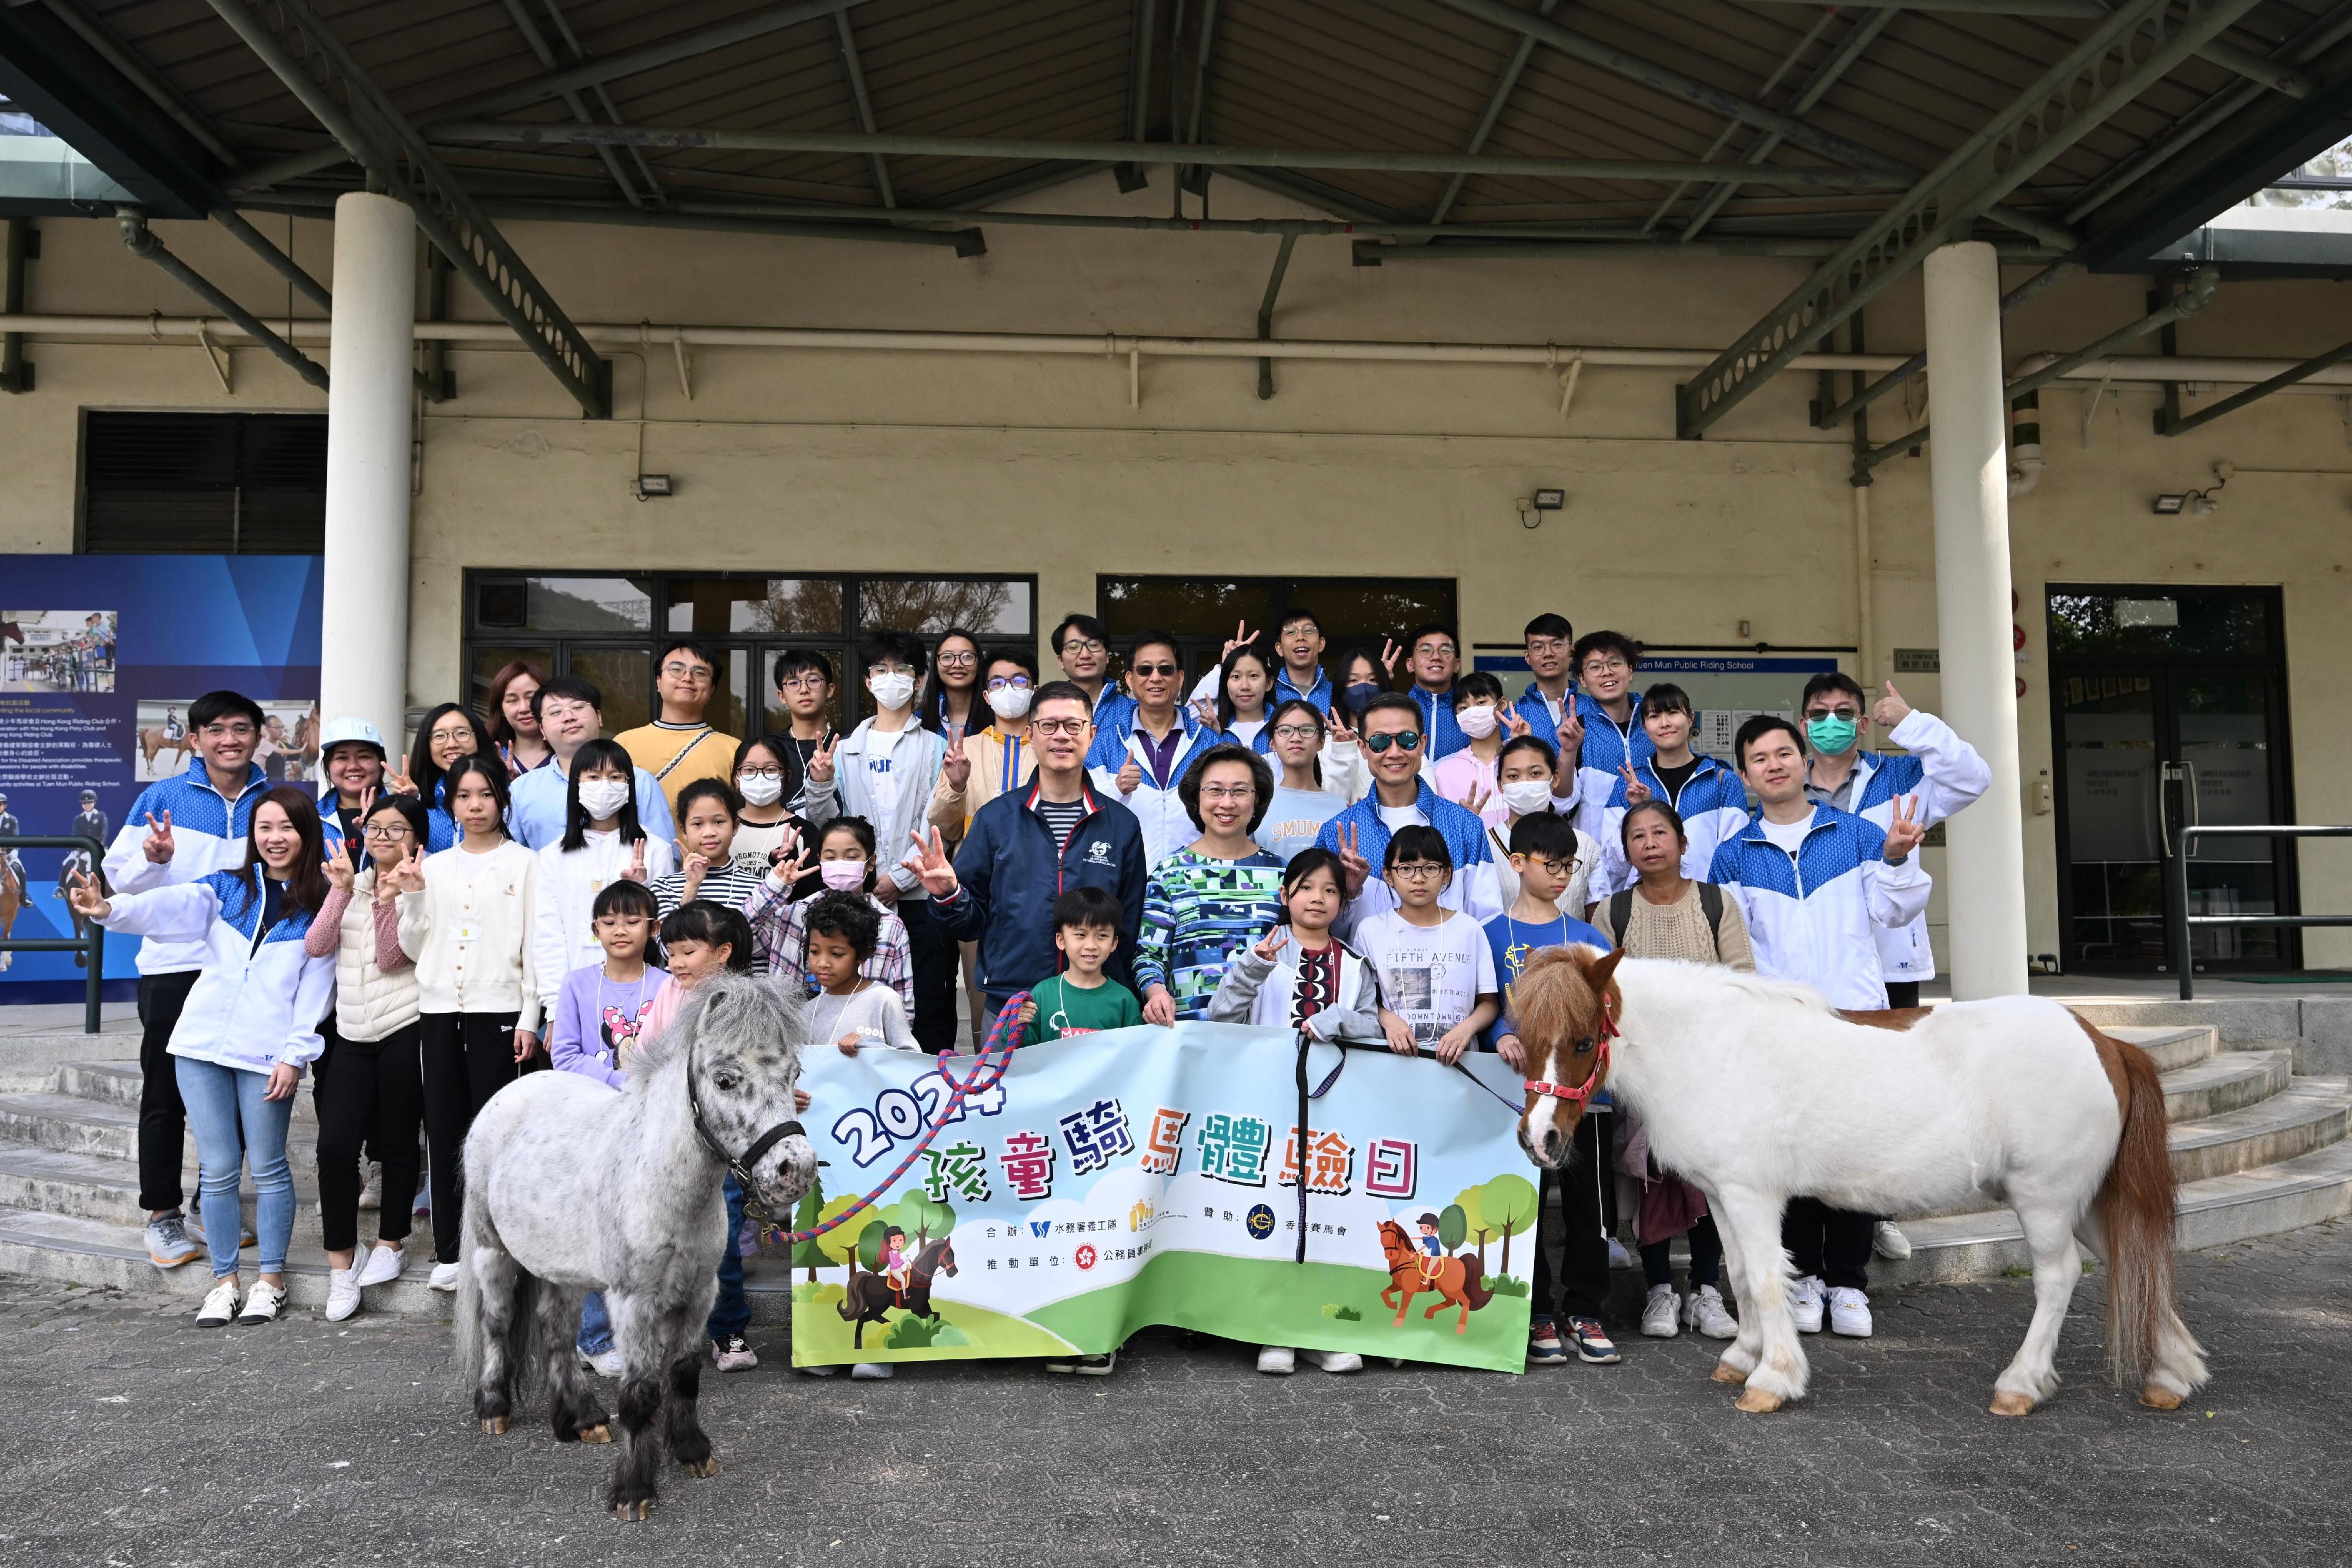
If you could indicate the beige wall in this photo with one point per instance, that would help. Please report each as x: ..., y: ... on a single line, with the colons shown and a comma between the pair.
x: 921, y: 462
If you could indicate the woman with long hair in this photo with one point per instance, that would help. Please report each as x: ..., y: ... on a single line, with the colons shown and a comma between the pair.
x: 602, y: 844
x: 449, y: 732
x: 514, y: 728
x: 951, y: 705
x: 249, y: 1026
x: 1244, y: 683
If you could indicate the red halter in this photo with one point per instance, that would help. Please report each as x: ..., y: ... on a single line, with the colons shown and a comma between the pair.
x: 1580, y: 1092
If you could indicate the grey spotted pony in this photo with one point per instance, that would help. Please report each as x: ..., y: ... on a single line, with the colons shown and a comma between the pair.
x: 572, y: 1187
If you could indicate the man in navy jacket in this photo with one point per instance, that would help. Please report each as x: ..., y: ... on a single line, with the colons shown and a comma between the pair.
x: 1028, y: 846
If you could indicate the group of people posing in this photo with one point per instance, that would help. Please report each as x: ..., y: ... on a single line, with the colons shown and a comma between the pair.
x: 1281, y: 844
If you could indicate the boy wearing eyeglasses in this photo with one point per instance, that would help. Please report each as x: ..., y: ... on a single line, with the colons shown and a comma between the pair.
x: 1000, y: 758
x: 678, y: 747
x: 1605, y: 733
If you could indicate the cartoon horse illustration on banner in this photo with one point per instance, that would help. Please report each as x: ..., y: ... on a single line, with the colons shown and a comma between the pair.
x: 1455, y: 1280
x: 870, y: 1295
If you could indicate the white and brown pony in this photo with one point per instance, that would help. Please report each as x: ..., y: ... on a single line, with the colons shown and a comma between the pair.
x: 1757, y: 1091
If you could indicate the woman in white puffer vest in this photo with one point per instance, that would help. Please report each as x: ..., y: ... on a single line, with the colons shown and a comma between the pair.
x: 375, y: 1094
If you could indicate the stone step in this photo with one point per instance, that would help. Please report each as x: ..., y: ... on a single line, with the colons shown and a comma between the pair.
x: 119, y: 1083
x: 98, y: 1187
x: 79, y: 1125
x: 2309, y: 1114
x: 2226, y: 1082
x: 2173, y: 1047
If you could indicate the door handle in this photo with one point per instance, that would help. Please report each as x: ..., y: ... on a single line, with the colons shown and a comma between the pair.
x: 2196, y: 801
x: 2166, y: 775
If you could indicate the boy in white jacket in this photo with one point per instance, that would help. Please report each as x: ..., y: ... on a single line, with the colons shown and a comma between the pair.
x: 885, y: 771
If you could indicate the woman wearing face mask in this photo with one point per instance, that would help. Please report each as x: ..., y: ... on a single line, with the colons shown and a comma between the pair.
x: 764, y: 766
x: 979, y: 767
x: 1468, y: 777
x: 602, y: 844
x: 778, y: 913
x: 449, y: 733
x: 1524, y: 774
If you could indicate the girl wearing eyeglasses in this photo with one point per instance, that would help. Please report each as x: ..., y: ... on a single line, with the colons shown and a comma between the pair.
x: 951, y: 706
x: 449, y: 733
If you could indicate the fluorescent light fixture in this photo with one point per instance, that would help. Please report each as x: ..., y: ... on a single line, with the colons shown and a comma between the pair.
x: 652, y: 485
x: 1551, y: 500
x: 2168, y: 505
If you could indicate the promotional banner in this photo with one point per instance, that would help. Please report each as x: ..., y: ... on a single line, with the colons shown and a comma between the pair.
x: 99, y: 658
x: 1159, y: 1175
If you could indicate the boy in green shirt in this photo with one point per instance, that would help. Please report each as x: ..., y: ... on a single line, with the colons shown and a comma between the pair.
x: 1081, y: 999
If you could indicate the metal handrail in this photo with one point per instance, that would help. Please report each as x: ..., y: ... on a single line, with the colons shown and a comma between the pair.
x: 2182, y: 920
x: 94, y: 945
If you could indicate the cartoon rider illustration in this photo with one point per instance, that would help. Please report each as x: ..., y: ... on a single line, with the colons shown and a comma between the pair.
x: 1432, y: 1250
x: 895, y: 1272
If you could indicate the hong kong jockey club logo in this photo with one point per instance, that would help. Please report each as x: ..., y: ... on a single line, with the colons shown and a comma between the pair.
x: 1261, y: 1222
x: 1086, y: 1258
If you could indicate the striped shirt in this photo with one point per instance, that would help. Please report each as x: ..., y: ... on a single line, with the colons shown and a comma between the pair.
x: 1196, y: 911
x: 724, y: 884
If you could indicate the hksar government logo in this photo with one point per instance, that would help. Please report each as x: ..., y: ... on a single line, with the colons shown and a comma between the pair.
x: 1261, y: 1222
x: 1086, y: 1258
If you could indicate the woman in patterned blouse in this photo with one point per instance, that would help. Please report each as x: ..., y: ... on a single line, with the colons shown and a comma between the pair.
x: 1217, y: 894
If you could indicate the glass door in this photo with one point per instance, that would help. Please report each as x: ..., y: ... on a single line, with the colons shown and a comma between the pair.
x: 2170, y: 712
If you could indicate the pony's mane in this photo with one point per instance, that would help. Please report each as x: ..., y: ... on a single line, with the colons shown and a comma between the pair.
x: 754, y: 1010
x: 1551, y: 995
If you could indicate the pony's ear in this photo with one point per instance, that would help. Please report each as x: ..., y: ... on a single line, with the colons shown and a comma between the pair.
x: 1607, y: 966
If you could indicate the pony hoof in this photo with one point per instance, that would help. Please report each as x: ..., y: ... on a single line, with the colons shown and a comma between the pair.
x: 496, y: 1426
x: 2007, y: 1403
x: 2156, y: 1398
x: 1723, y: 1374
x: 1756, y: 1402
x: 600, y: 1433
x: 703, y: 1471
x: 633, y: 1513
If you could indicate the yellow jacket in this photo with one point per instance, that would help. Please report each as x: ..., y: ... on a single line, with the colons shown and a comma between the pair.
x: 992, y: 755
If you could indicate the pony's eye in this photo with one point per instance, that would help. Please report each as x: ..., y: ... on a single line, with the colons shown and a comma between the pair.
x: 726, y: 1080
x: 1583, y: 1048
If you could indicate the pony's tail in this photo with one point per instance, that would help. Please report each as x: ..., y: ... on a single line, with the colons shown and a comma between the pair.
x: 2134, y: 1205
x: 1474, y: 1286
x: 849, y: 1303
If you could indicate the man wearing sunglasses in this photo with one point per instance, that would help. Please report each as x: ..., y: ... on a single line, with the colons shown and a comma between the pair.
x: 1140, y: 752
x: 1394, y: 742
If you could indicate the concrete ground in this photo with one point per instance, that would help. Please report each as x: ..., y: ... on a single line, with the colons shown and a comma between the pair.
x: 135, y: 1438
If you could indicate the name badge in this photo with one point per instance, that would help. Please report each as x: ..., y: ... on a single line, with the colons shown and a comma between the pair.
x: 464, y: 932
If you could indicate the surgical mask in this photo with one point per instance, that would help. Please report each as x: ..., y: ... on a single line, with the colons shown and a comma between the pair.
x: 1832, y: 733
x: 1010, y: 702
x: 895, y: 689
x: 1479, y: 722
x: 602, y: 797
x: 1361, y: 693
x: 760, y: 788
x: 1527, y: 796
x: 843, y: 876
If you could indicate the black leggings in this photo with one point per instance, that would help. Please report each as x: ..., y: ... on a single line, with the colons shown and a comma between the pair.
x: 1834, y: 1243
x: 1587, y: 1194
x: 163, y: 1120
x: 468, y: 1058
x: 375, y: 1094
x: 1705, y: 1256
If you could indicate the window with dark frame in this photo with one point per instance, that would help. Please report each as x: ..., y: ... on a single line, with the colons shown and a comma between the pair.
x: 606, y: 627
x: 1202, y: 613
x: 203, y: 484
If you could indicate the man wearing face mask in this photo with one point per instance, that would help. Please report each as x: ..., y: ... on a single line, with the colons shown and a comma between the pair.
x: 886, y: 770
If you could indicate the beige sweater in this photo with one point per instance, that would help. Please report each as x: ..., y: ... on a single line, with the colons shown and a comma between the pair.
x: 469, y: 932
x: 1679, y: 930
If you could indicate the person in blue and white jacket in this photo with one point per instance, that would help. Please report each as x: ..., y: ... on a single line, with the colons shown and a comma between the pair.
x: 1816, y: 884
x: 1605, y: 732
x: 249, y: 1026
x: 1710, y: 799
x: 1142, y: 752
x: 886, y: 771
x: 1942, y: 773
x: 180, y: 829
x: 1394, y: 745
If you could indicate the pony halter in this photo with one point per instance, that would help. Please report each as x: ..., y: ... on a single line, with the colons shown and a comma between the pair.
x: 740, y: 1166
x: 1577, y: 1093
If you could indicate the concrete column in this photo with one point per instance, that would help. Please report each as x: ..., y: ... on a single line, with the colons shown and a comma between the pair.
x: 363, y: 657
x: 1984, y: 865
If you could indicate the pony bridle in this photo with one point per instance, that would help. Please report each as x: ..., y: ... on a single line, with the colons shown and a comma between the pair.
x: 1580, y: 1092
x: 741, y: 1166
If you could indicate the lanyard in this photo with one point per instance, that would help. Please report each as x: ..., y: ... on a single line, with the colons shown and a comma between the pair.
x: 1513, y: 927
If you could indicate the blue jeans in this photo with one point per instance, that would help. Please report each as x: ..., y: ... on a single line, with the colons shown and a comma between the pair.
x: 595, y: 1326
x: 731, y: 1314
x: 221, y: 1101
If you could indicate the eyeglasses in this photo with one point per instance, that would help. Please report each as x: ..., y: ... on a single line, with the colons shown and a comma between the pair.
x: 1607, y: 667
x: 1407, y: 740
x: 761, y: 773
x: 1546, y: 646
x: 238, y: 731
x: 694, y: 673
x: 1296, y: 731
x: 1061, y: 725
x: 1420, y: 870
x: 1155, y: 669
x: 803, y: 684
x: 959, y: 658
x: 1556, y: 868
x: 1009, y: 682
x: 1230, y: 792
x: 1442, y: 650
x: 386, y: 830
x: 1847, y: 712
x: 1083, y: 645
x: 454, y: 737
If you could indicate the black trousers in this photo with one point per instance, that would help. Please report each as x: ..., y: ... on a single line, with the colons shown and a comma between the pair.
x: 933, y: 955
x: 1705, y: 1257
x: 466, y: 1058
x: 162, y: 1119
x: 1587, y: 1196
x: 376, y: 1092
x: 1902, y: 993
x: 1834, y: 1243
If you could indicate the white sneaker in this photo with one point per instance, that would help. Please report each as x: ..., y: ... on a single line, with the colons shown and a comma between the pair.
x: 1336, y: 1360
x: 444, y: 1276
x: 1661, y: 1313
x: 871, y: 1370
x: 371, y: 1190
x: 1848, y: 1312
x: 262, y: 1304
x: 1889, y: 1242
x: 384, y: 1265
x: 1277, y: 1361
x: 1704, y: 1312
x: 1805, y: 1304
x: 816, y: 1370
x: 1618, y: 1257
x: 607, y: 1363
x: 220, y: 1305
x: 342, y: 1294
